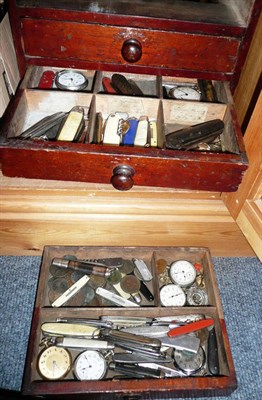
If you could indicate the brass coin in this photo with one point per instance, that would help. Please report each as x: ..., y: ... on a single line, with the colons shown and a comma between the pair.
x: 161, y: 265
x: 115, y: 277
x: 96, y: 281
x: 127, y: 267
x: 130, y: 284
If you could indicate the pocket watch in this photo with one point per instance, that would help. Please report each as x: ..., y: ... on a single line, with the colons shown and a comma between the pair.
x: 68, y: 79
x: 172, y: 295
x: 90, y: 365
x: 54, y: 363
x: 184, y: 92
x: 182, y: 273
x: 188, y: 362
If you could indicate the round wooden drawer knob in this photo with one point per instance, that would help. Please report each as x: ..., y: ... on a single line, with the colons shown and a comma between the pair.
x: 131, y: 50
x: 122, y: 178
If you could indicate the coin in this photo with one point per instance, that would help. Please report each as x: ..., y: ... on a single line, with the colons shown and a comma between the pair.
x: 76, y: 275
x: 59, y: 285
x: 127, y: 267
x: 130, y: 284
x: 115, y: 277
x: 96, y: 281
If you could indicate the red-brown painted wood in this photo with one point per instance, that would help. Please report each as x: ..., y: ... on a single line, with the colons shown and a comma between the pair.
x: 95, y: 163
x: 95, y: 43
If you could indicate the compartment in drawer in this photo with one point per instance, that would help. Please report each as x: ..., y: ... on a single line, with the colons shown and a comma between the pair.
x: 42, y: 77
x: 128, y: 84
x: 126, y: 121
x: 107, y: 323
x: 135, y: 275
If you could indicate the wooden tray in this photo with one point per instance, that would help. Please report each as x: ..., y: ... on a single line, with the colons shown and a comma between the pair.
x: 109, y: 387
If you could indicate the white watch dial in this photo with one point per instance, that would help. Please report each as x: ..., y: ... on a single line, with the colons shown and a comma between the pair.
x: 182, y: 273
x: 185, y: 93
x: 70, y: 80
x: 90, y: 365
x: 172, y: 296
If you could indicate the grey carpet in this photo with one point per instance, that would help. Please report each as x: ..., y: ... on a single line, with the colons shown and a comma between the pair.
x: 240, y: 285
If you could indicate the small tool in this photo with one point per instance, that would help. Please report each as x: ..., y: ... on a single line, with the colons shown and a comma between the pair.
x: 212, y: 353
x: 135, y: 357
x: 85, y: 267
x: 83, y: 343
x: 168, y: 372
x: 69, y: 329
x: 115, y: 298
x: 136, y: 370
x: 121, y: 337
x: 142, y: 269
x: 191, y: 327
x: 72, y: 291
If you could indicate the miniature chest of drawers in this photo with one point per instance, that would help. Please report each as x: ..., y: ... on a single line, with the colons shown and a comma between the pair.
x: 152, y: 44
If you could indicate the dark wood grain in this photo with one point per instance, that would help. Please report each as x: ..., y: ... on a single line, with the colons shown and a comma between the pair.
x: 162, y: 168
x: 95, y: 43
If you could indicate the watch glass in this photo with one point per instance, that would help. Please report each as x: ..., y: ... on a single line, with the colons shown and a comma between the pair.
x: 188, y: 362
x: 54, y: 363
x: 71, y: 80
x: 172, y: 296
x: 182, y: 273
x: 90, y: 365
x: 185, y: 93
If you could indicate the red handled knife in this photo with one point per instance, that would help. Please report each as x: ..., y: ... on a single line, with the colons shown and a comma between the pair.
x: 191, y: 327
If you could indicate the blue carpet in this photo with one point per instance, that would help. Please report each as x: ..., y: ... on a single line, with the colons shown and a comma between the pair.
x: 240, y: 284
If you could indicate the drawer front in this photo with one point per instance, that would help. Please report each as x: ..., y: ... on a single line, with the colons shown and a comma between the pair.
x: 123, y: 170
x: 101, y: 43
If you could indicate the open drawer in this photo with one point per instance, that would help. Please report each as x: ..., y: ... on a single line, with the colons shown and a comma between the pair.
x: 108, y: 333
x: 217, y: 168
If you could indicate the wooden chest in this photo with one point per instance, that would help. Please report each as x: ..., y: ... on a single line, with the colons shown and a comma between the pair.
x: 168, y: 267
x: 155, y: 46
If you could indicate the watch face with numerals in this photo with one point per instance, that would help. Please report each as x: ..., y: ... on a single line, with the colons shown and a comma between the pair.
x: 172, y: 296
x: 182, y: 273
x: 54, y: 363
x: 70, y: 80
x: 90, y: 365
x: 185, y: 93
